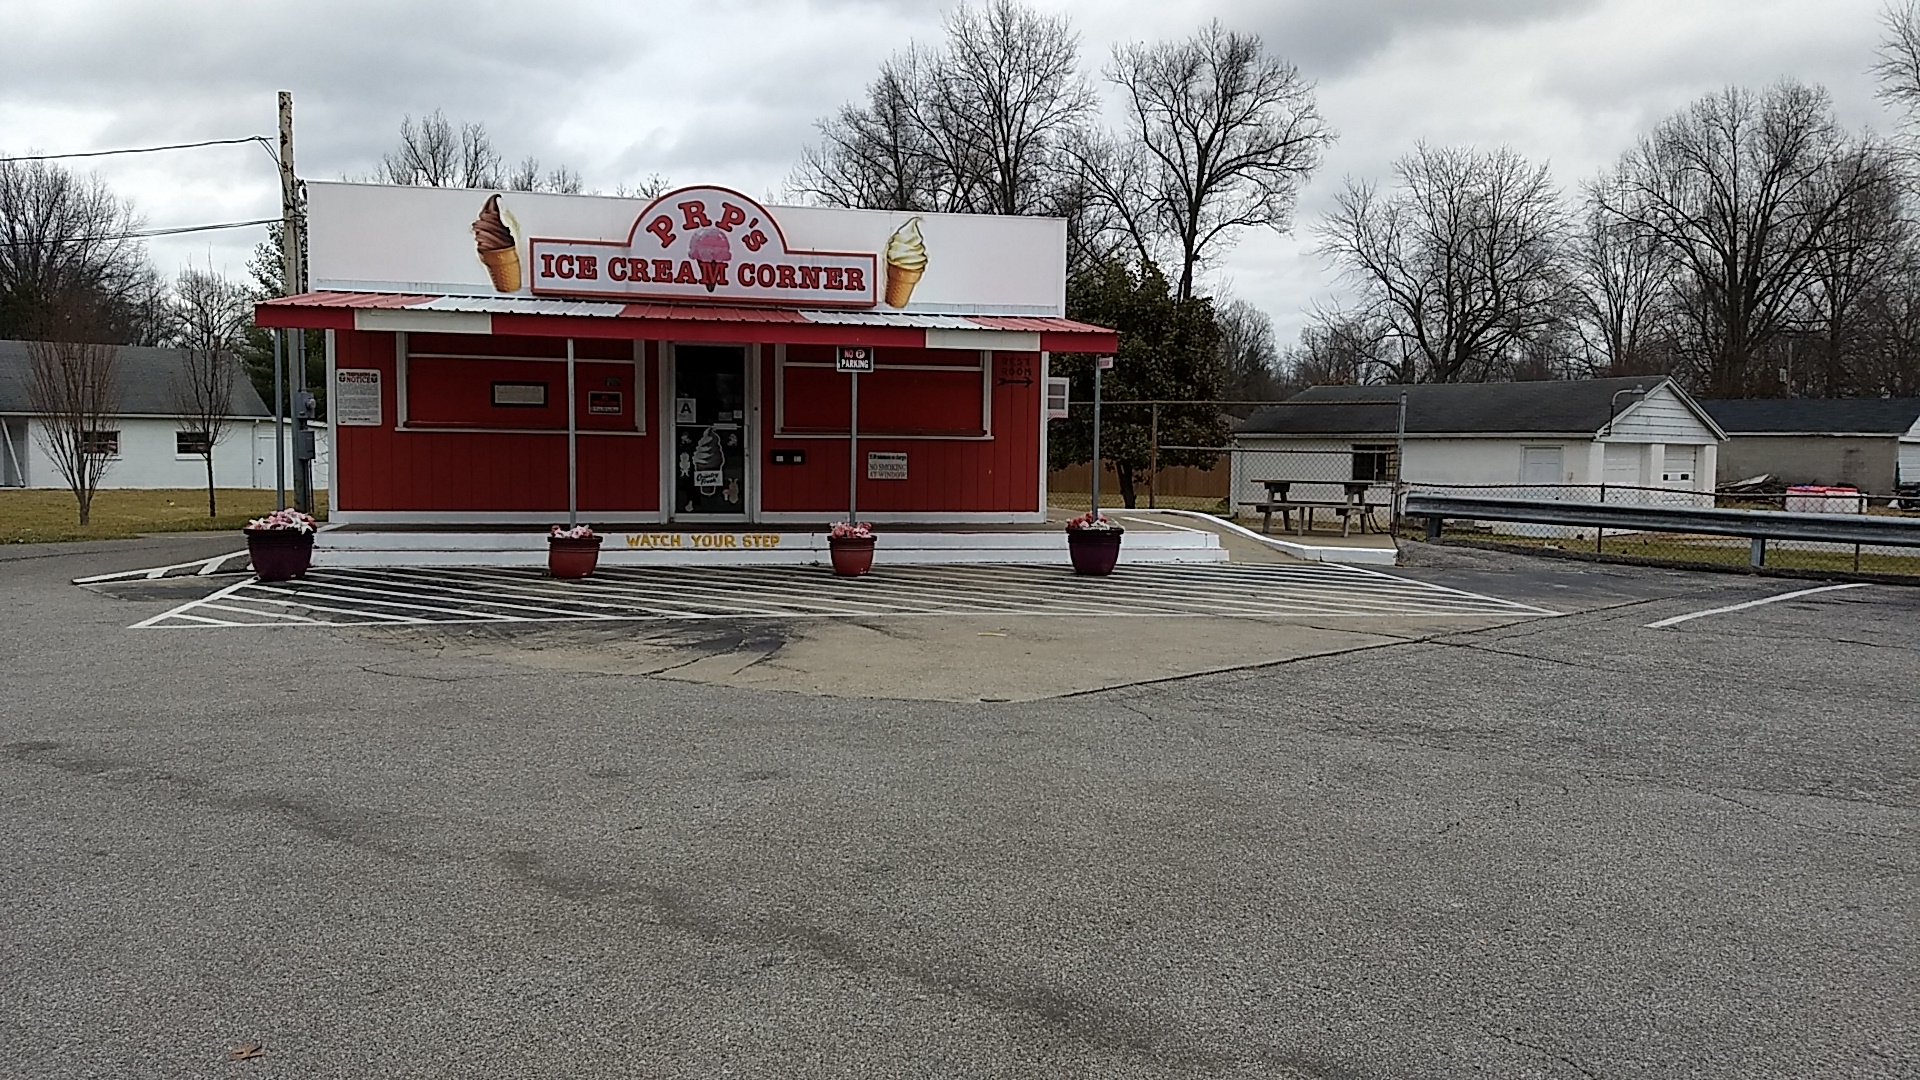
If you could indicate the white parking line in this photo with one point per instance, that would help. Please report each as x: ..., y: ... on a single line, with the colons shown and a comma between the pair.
x: 1678, y: 619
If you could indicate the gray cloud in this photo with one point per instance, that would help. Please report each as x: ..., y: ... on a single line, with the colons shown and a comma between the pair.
x: 728, y: 90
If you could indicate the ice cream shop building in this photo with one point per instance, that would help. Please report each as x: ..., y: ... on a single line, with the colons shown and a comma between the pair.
x: 494, y: 358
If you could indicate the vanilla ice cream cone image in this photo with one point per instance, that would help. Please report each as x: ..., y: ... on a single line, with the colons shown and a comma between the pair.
x: 495, y: 243
x: 711, y: 251
x: 906, y: 261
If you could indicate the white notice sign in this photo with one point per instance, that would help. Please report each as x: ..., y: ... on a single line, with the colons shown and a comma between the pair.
x: 356, y: 397
x: 883, y: 466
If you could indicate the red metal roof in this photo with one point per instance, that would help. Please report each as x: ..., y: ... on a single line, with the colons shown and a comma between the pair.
x: 543, y: 317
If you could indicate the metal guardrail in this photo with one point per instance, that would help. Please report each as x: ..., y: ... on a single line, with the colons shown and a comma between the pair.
x: 1759, y: 526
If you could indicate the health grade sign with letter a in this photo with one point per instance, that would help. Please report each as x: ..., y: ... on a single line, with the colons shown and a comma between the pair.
x: 705, y: 244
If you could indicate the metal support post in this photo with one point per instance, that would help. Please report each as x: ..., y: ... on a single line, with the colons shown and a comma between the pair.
x: 1433, y: 530
x: 1153, y: 459
x: 1399, y: 460
x: 1757, y: 553
x: 1096, y: 437
x: 853, y: 450
x: 279, y: 420
x: 573, y: 448
x: 303, y: 448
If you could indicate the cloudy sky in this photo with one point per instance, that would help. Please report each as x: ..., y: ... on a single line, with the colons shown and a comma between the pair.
x: 727, y: 91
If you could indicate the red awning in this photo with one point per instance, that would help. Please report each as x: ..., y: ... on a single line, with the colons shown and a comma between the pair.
x: 541, y: 317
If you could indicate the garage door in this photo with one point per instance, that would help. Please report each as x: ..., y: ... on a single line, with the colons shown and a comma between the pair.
x: 1678, y: 468
x: 1910, y: 462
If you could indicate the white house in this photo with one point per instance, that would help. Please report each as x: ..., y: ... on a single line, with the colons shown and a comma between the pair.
x: 150, y: 444
x: 1553, y: 439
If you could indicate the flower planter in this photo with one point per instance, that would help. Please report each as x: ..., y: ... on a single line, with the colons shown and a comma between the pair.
x: 279, y: 554
x: 1094, y: 551
x: 572, y: 557
x: 852, y: 555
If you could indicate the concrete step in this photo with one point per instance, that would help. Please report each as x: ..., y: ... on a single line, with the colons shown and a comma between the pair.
x: 364, y: 547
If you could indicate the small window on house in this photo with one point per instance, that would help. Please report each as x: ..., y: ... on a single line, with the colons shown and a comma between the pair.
x: 100, y: 443
x: 190, y: 443
x: 525, y: 395
x: 1373, y: 462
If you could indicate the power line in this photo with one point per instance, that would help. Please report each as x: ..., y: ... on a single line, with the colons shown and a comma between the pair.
x: 261, y: 139
x: 146, y: 233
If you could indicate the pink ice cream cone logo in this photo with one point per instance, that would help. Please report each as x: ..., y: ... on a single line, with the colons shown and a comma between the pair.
x: 710, y: 250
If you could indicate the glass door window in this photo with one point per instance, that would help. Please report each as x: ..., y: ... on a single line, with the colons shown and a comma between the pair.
x: 709, y: 431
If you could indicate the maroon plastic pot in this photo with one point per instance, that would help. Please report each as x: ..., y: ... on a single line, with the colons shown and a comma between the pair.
x: 279, y: 554
x: 572, y: 557
x: 1094, y: 551
x: 852, y: 555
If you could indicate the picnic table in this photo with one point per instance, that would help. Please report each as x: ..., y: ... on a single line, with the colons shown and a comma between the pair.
x: 1353, y: 504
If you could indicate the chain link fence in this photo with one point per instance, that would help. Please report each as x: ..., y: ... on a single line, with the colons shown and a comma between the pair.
x: 1680, y: 549
x: 1324, y: 485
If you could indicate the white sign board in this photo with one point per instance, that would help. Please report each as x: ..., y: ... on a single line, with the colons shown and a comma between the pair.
x: 696, y: 245
x: 886, y: 466
x: 356, y: 397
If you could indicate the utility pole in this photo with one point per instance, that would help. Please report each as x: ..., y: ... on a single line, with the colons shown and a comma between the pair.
x: 293, y: 251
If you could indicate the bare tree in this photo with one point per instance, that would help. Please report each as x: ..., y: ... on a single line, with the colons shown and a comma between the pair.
x: 1465, y: 264
x: 1249, y: 362
x: 73, y: 387
x: 1344, y: 349
x: 527, y: 176
x: 433, y: 153
x: 1009, y: 98
x: 1220, y: 137
x: 1741, y: 190
x: 1862, y: 251
x: 65, y: 237
x: 980, y: 125
x: 651, y: 186
x: 1623, y: 292
x: 1898, y: 67
x: 210, y: 318
x: 880, y: 155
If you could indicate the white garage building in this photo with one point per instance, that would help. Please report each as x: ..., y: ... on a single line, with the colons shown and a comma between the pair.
x: 150, y: 445
x: 1555, y: 439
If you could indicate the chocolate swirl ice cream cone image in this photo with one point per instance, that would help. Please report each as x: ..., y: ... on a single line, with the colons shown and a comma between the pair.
x: 906, y: 261
x: 496, y: 246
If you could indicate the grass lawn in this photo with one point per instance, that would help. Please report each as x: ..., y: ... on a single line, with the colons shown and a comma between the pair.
x: 1708, y: 550
x: 39, y: 515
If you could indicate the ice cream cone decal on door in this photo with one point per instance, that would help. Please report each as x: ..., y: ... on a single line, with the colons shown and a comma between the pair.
x: 906, y: 261
x: 498, y: 251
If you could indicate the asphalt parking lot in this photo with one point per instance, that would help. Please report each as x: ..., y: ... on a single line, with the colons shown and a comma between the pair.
x: 1497, y: 844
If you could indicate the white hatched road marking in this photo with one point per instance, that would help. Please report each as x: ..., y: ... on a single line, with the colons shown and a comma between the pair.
x: 232, y: 562
x: 417, y: 597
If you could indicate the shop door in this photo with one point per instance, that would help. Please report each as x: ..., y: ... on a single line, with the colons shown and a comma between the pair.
x: 710, y: 433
